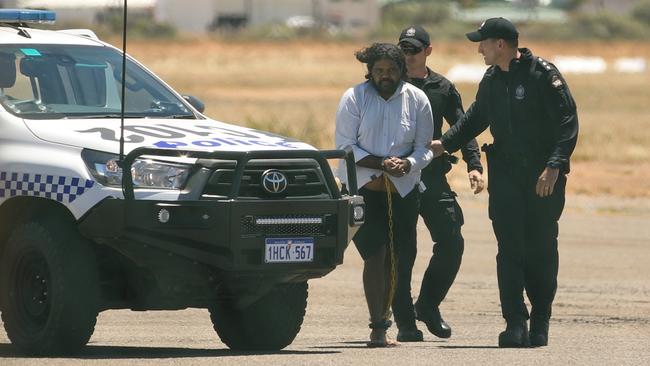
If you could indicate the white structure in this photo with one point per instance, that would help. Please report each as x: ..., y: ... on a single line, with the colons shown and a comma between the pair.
x: 84, y: 11
x: 615, y: 6
x: 10, y: 4
x: 199, y: 15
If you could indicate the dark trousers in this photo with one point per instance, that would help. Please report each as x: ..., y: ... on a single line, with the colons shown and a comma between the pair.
x: 374, y: 233
x: 526, y: 228
x: 405, y: 220
x: 444, y: 218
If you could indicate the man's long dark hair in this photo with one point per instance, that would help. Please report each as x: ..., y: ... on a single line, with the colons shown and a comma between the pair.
x: 381, y: 51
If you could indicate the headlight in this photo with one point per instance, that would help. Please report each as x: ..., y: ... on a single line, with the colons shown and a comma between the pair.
x: 146, y: 173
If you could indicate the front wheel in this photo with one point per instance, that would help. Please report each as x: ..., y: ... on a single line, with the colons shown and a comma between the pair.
x: 49, y: 289
x: 269, y: 324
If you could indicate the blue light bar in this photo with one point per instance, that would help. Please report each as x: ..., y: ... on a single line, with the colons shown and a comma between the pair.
x: 26, y: 16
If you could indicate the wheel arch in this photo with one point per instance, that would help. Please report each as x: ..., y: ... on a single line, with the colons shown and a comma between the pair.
x: 19, y: 210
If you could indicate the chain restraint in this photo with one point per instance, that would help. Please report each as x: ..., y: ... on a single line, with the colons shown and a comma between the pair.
x: 391, y: 246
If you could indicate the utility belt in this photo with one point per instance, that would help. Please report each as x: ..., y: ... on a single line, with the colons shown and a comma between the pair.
x: 519, y: 159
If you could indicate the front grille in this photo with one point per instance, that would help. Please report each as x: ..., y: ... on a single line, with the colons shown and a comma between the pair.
x: 293, y: 225
x: 303, y: 181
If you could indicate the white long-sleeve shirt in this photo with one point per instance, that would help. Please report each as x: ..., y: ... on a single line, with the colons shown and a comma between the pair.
x: 400, y: 126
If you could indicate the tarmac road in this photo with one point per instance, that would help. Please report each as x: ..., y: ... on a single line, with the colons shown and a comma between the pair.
x: 601, y: 314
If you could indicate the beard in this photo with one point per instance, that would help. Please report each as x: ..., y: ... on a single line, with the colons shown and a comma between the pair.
x: 385, y: 86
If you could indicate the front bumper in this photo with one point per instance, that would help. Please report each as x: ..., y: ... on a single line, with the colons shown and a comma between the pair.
x: 191, y: 252
x: 221, y: 234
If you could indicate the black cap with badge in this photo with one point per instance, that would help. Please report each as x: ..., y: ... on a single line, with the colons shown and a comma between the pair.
x: 416, y: 36
x: 494, y: 28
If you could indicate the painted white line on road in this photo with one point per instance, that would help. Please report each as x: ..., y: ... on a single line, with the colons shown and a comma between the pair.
x: 636, y: 65
x: 580, y: 64
x: 466, y: 73
x: 473, y: 73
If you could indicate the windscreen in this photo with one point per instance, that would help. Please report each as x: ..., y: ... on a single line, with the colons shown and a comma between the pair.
x: 67, y: 81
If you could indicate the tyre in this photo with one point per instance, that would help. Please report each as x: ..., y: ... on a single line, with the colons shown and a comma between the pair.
x: 49, y: 289
x: 269, y: 324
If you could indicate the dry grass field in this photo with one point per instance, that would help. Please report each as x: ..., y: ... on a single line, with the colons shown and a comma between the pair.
x: 293, y: 88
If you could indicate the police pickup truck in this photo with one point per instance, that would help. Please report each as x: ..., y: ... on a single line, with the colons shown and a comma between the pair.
x: 152, y: 206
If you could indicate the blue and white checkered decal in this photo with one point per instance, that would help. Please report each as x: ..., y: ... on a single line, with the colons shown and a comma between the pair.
x: 61, y: 189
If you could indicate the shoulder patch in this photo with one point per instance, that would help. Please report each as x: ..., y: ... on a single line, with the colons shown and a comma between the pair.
x: 556, y: 82
x: 489, y: 72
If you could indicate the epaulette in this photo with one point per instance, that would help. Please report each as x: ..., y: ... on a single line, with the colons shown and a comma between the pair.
x: 545, y: 65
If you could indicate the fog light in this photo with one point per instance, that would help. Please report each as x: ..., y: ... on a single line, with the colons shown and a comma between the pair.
x: 358, y: 213
x: 163, y: 216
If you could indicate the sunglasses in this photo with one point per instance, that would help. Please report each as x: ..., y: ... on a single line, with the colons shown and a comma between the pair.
x: 410, y: 50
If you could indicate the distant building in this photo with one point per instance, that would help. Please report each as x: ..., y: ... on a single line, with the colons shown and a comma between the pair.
x: 199, y: 16
x: 84, y: 11
x: 613, y: 6
x: 516, y: 11
x: 10, y: 4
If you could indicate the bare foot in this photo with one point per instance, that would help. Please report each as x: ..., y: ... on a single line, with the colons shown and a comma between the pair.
x: 378, y: 338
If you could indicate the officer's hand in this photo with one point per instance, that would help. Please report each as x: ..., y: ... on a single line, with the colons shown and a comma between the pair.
x: 476, y: 181
x: 546, y: 182
x: 437, y: 148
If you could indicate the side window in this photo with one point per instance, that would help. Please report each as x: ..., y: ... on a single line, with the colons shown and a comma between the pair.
x: 59, y: 81
x: 45, y: 79
x: 15, y: 85
x: 88, y: 84
x: 137, y: 98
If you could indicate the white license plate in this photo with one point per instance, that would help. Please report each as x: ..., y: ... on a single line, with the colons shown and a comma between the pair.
x: 288, y: 250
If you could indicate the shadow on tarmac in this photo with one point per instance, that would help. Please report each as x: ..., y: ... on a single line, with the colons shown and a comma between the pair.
x: 469, y: 347
x: 362, y: 345
x: 123, y: 352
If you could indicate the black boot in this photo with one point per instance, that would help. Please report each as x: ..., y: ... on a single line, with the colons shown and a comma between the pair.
x: 435, y: 324
x: 515, y: 335
x: 409, y: 334
x: 538, y: 332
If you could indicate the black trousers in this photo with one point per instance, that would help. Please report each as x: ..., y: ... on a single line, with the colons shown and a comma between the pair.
x: 526, y: 228
x: 444, y: 218
x: 374, y: 233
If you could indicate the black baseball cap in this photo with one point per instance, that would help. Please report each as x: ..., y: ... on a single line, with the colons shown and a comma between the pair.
x: 416, y: 36
x: 494, y: 28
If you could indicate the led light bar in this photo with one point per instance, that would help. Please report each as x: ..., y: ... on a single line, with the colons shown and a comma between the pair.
x: 288, y: 220
x: 26, y: 16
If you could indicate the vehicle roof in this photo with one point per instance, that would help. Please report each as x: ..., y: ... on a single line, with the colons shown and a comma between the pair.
x: 10, y: 35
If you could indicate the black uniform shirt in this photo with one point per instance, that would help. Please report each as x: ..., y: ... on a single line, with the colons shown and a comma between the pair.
x: 445, y: 102
x: 530, y: 111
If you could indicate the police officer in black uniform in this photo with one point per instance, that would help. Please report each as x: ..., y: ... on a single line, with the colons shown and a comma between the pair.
x: 438, y: 207
x: 527, y: 105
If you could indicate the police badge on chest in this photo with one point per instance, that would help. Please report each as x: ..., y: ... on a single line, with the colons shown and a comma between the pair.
x: 520, y: 92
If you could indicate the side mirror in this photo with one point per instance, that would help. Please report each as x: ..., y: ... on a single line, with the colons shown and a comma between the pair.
x: 195, y: 102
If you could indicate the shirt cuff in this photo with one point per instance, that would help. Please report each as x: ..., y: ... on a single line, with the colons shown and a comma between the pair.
x: 412, y: 161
